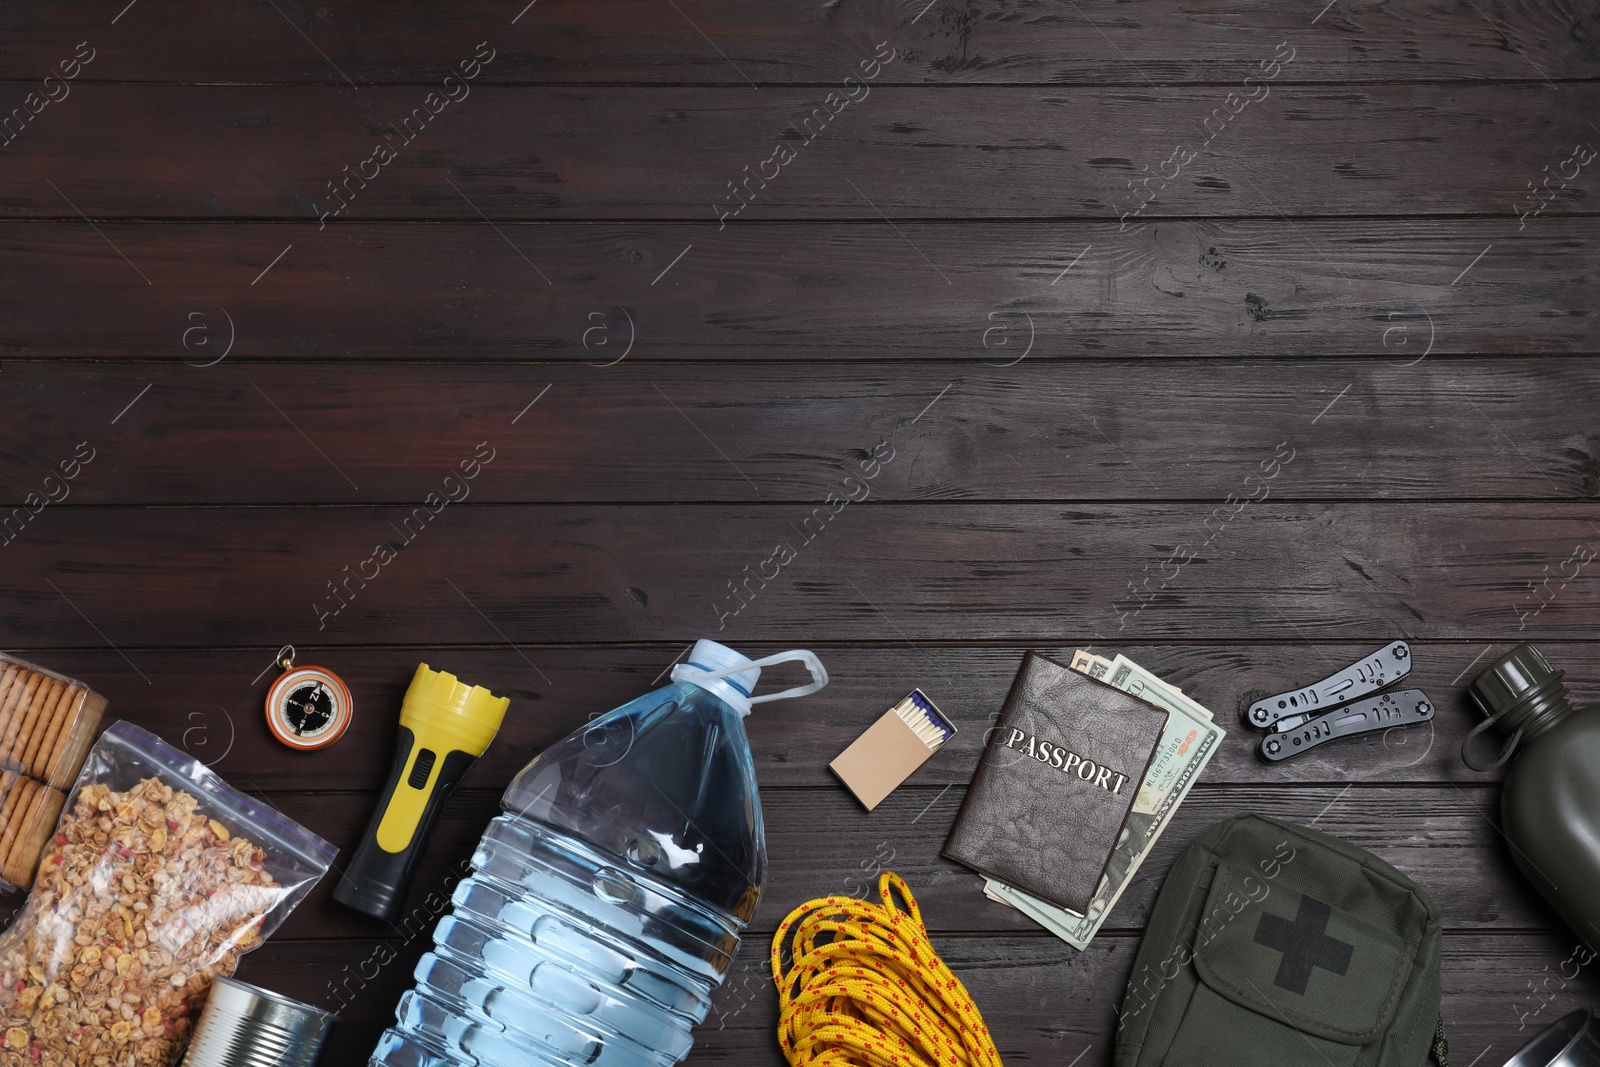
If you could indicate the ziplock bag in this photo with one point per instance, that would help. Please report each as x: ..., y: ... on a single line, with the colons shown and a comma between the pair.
x: 158, y: 878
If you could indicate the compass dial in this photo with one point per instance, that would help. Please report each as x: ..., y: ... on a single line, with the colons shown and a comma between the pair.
x: 308, y: 708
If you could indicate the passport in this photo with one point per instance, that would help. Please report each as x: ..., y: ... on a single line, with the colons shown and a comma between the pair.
x: 1058, y: 775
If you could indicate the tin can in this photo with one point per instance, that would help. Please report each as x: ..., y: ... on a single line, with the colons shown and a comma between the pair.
x: 247, y: 1026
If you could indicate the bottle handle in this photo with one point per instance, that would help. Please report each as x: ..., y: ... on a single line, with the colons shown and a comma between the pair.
x: 1505, y: 753
x: 819, y: 674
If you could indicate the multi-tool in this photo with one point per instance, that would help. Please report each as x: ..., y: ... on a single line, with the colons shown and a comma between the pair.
x: 1346, y: 703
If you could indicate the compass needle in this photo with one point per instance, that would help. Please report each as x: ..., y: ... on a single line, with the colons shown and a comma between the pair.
x: 307, y: 707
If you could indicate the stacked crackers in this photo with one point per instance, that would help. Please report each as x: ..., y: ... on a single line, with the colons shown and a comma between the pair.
x: 47, y: 723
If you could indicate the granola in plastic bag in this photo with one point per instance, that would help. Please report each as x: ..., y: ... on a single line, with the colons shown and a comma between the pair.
x: 158, y: 878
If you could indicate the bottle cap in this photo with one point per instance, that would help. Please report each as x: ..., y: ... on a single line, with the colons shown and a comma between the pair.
x: 710, y: 657
x: 1510, y: 681
x: 731, y: 676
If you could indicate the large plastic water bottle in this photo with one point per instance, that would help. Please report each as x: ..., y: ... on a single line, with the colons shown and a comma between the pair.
x: 607, y: 902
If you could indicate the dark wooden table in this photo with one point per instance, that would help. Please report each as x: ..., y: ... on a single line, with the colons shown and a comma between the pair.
x: 677, y: 267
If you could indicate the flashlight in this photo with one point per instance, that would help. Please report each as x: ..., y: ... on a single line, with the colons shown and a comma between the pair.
x: 445, y: 724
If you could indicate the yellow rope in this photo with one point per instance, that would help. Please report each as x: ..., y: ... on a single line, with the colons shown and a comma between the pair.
x: 864, y: 988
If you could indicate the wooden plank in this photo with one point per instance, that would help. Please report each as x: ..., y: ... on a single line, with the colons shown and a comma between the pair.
x: 1042, y: 1000
x: 820, y: 843
x: 1037, y: 431
x: 219, y: 718
x: 769, y: 41
x: 1031, y: 504
x: 755, y: 292
x: 532, y: 153
x: 1045, y: 1002
x: 443, y: 575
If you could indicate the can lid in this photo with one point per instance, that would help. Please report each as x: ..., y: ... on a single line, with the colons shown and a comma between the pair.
x: 266, y: 1008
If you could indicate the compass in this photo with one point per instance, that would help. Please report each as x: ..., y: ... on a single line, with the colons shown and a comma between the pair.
x: 307, y: 707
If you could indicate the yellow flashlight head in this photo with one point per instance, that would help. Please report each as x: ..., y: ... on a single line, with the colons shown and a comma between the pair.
x: 443, y: 708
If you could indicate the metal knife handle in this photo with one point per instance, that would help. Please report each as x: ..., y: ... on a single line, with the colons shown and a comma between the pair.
x: 1399, y: 708
x: 1366, y: 675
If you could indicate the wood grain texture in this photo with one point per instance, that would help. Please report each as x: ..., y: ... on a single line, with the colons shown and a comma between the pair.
x: 1392, y: 289
x: 331, y: 957
x: 220, y: 718
x: 1006, y: 572
x: 821, y: 843
x: 1044, y: 1002
x: 1078, y: 396
x: 902, y: 152
x: 963, y: 41
x: 237, y: 434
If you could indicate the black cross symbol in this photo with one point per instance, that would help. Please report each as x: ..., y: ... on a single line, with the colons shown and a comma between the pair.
x: 1304, y: 943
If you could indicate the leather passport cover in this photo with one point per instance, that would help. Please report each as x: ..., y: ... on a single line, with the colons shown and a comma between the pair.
x: 1055, y: 783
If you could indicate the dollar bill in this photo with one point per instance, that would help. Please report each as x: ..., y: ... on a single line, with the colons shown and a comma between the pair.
x: 1186, y: 746
x: 1099, y: 667
x: 1059, y: 921
x: 1132, y: 678
x: 1092, y: 665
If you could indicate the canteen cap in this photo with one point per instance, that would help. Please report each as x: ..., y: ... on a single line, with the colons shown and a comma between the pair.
x: 1507, y: 681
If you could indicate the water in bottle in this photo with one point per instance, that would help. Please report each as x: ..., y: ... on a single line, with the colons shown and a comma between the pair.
x: 606, y: 903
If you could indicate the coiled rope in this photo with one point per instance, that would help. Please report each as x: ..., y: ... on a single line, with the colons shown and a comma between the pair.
x: 865, y: 988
